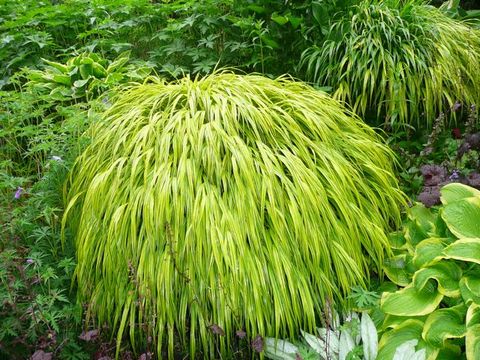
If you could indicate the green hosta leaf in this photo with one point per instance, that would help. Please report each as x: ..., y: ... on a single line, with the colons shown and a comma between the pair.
x: 423, y: 217
x: 396, y: 270
x: 472, y: 337
x: 447, y: 275
x: 455, y: 191
x: 443, y: 324
x: 472, y: 342
x: 406, y: 351
x: 411, y: 302
x: 369, y: 335
x: 279, y: 349
x: 414, y: 233
x: 464, y: 250
x: 410, y: 330
x: 448, y: 352
x: 427, y: 250
x: 470, y: 289
x: 462, y: 217
x: 473, y: 315
x: 397, y: 240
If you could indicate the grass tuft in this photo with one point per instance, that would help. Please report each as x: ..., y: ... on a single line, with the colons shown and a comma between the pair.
x: 401, y: 61
x: 227, y: 202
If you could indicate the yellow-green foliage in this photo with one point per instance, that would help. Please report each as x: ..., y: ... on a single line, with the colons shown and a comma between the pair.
x: 401, y: 60
x: 232, y: 200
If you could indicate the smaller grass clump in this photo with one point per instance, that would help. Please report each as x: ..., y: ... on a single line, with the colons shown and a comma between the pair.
x: 202, y: 207
x: 403, y: 62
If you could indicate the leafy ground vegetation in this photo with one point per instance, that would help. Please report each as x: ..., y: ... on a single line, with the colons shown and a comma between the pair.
x: 235, y: 179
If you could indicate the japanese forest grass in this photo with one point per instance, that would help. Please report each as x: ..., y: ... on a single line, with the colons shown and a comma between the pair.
x: 402, y: 62
x: 232, y: 200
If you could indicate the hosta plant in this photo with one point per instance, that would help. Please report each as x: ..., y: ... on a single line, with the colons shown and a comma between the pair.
x: 85, y: 76
x: 228, y: 202
x: 437, y: 266
x: 402, y: 62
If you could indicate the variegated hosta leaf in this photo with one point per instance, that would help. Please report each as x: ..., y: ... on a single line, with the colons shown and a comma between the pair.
x: 473, y: 315
x: 444, y: 324
x: 427, y: 251
x: 472, y: 337
x: 397, y: 240
x: 396, y: 269
x: 455, y: 191
x: 390, y: 341
x: 466, y: 249
x: 423, y: 217
x: 446, y: 273
x: 411, y: 302
x: 470, y: 289
x: 393, y: 321
x: 472, y: 342
x: 462, y: 217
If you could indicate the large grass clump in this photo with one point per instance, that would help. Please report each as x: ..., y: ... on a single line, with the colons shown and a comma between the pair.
x: 232, y: 202
x: 403, y: 62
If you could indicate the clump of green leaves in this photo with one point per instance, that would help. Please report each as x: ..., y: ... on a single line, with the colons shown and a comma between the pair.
x: 401, y: 62
x: 437, y: 266
x: 84, y: 77
x: 235, y: 201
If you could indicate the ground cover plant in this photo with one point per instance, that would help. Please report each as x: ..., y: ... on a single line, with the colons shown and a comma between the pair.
x: 183, y: 177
